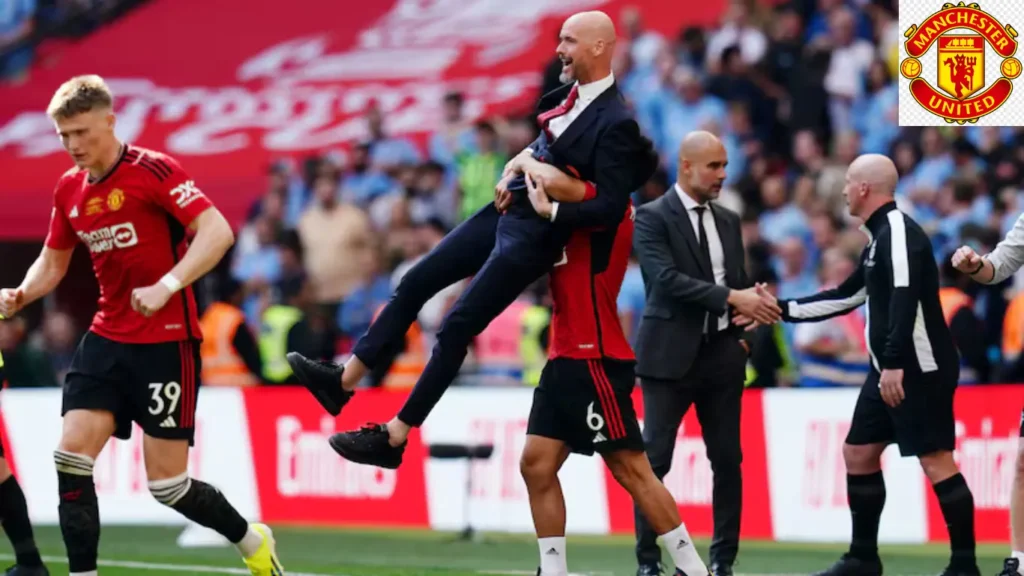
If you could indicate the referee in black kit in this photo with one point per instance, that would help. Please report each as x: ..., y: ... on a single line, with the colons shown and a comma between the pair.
x: 908, y: 395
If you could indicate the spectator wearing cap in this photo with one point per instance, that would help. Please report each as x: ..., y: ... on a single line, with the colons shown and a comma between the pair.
x: 480, y: 170
x: 335, y: 238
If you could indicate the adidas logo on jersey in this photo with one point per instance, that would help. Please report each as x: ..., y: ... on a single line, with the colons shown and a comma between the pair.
x: 169, y: 423
x: 74, y: 212
x: 599, y: 438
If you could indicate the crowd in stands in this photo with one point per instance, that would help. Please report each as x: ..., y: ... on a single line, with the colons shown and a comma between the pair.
x: 795, y: 90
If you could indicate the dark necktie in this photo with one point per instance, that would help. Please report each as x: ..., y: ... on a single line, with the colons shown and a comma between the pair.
x: 705, y: 254
x: 560, y: 110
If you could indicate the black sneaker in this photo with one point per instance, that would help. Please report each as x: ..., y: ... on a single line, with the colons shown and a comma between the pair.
x: 649, y: 570
x: 850, y: 566
x: 323, y: 379
x: 368, y: 445
x: 27, y: 571
x: 1011, y: 567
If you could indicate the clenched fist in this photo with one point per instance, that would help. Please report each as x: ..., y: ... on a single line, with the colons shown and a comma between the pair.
x: 966, y: 260
x: 11, y: 301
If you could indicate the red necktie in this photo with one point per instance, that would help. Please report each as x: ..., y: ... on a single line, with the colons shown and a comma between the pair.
x: 560, y: 110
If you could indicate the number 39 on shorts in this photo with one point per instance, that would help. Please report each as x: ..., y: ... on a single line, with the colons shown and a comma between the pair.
x: 164, y: 396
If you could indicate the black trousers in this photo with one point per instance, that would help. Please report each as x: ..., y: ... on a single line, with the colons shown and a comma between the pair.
x: 714, y: 385
x: 506, y: 254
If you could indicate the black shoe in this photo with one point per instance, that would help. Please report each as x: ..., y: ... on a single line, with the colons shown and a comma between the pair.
x: 720, y: 569
x: 368, y: 445
x: 27, y: 571
x: 1011, y: 567
x: 649, y: 570
x: 323, y: 379
x: 850, y: 566
x: 961, y: 571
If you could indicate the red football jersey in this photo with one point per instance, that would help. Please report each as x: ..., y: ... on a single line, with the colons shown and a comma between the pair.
x: 134, y: 221
x: 585, y: 286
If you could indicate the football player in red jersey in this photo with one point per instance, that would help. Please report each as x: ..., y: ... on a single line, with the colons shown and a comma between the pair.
x: 583, y: 403
x: 134, y: 209
x: 14, y: 517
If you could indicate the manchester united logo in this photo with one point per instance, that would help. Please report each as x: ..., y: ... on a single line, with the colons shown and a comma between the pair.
x: 115, y: 200
x: 960, y: 93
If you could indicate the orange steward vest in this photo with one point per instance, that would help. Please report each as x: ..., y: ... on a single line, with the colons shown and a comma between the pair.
x: 408, y: 366
x: 222, y: 365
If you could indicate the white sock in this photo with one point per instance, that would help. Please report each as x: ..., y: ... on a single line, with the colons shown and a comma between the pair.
x: 680, y: 548
x: 90, y: 573
x: 552, y: 556
x: 1020, y: 557
x: 250, y: 543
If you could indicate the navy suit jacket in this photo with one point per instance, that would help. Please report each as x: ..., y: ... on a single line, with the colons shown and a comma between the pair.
x: 602, y: 145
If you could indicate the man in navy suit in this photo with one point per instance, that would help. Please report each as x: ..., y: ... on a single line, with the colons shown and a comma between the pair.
x: 588, y: 132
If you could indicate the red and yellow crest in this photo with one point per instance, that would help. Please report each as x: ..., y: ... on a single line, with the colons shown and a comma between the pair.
x: 962, y: 95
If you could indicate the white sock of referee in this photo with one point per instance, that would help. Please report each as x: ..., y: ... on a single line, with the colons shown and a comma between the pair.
x: 552, y: 556
x: 680, y: 548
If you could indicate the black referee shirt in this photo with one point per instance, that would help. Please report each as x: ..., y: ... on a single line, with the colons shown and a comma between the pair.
x: 898, y: 282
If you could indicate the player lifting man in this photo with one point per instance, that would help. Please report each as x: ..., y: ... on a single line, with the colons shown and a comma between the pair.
x: 135, y: 210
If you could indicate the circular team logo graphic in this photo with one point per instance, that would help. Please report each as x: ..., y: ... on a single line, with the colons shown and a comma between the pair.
x: 960, y: 93
x: 115, y: 200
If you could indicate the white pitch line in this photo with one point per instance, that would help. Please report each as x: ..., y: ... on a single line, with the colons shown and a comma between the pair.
x: 167, y: 567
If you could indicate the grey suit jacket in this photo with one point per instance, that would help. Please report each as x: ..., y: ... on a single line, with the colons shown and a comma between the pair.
x: 678, y: 296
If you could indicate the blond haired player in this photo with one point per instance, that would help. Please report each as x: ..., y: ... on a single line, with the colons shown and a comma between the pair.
x: 134, y: 209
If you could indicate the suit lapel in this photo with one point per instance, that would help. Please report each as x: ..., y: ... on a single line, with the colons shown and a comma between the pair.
x: 586, y: 118
x: 729, y: 248
x: 682, y: 222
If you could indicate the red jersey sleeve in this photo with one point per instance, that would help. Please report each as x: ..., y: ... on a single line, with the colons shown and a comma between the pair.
x: 60, y: 236
x: 179, y: 195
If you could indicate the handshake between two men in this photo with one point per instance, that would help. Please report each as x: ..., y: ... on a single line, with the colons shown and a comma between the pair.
x: 754, y: 307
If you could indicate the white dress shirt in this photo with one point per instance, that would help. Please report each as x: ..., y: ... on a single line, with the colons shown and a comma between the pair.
x: 714, y: 243
x: 586, y: 94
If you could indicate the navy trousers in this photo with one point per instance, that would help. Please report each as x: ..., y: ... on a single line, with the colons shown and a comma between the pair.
x: 506, y: 253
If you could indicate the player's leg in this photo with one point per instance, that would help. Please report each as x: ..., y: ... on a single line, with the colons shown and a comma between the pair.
x: 541, y: 460
x: 15, y: 522
x: 494, y: 288
x: 1012, y: 565
x: 164, y: 385
x: 612, y: 421
x: 91, y: 404
x: 718, y: 405
x: 547, y: 447
x: 459, y: 255
x: 665, y: 404
x: 925, y: 427
x: 84, y: 434
x: 870, y: 432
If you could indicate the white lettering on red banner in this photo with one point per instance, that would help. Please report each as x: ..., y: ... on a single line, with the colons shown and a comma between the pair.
x: 307, y: 466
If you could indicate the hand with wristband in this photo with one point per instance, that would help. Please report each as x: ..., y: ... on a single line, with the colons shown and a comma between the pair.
x: 149, y: 300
